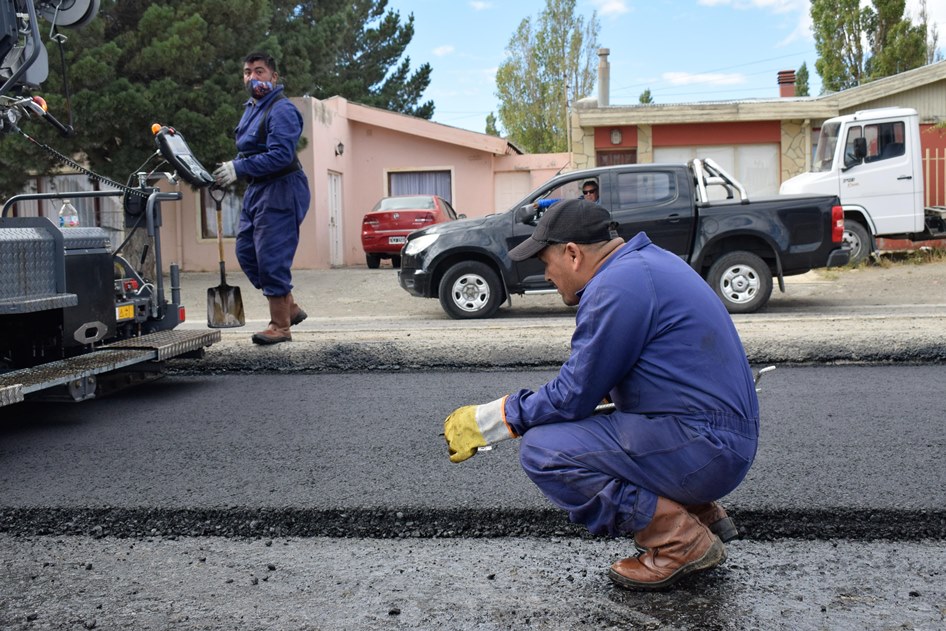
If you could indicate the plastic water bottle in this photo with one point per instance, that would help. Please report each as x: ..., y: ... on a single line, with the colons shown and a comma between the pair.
x: 68, y: 215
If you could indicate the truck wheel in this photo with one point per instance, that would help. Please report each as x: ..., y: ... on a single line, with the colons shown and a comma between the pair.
x: 373, y: 261
x: 742, y: 280
x: 470, y: 290
x: 857, y: 240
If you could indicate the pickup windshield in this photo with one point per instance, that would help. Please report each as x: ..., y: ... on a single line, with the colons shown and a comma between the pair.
x: 824, y: 153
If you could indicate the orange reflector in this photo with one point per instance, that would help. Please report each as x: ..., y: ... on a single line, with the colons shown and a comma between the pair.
x: 155, y: 128
x: 41, y: 102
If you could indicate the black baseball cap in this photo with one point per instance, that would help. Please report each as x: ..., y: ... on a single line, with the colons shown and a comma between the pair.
x: 568, y: 221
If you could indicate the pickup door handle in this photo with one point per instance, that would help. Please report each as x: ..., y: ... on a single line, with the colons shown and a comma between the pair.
x: 905, y: 177
x: 674, y: 218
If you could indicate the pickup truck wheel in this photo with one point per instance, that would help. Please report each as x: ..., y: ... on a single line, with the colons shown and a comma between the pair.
x: 373, y: 261
x: 857, y: 240
x: 742, y: 280
x: 470, y: 290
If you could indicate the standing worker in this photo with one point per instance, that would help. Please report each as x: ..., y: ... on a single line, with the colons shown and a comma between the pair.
x: 651, y: 336
x: 277, y: 198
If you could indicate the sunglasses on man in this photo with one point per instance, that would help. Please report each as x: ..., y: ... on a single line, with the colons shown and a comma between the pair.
x: 589, y: 191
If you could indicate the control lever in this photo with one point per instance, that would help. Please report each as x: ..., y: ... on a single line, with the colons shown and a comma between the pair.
x: 37, y: 105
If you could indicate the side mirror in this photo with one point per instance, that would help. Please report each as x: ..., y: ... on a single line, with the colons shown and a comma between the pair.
x: 855, y: 153
x: 461, y: 216
x: 860, y: 148
x: 526, y: 214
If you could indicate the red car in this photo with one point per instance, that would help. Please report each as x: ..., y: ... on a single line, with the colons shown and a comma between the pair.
x: 384, y: 230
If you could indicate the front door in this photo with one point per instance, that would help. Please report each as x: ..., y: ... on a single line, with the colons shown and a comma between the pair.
x: 335, y: 232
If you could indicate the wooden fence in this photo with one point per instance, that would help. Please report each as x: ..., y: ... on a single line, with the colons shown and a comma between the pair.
x: 934, y: 176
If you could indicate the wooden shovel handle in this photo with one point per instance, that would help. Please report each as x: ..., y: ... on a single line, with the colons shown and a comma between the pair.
x: 220, y: 231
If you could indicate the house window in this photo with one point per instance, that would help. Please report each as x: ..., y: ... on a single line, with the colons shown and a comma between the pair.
x: 614, y: 158
x: 103, y: 212
x: 420, y: 183
x: 231, y: 206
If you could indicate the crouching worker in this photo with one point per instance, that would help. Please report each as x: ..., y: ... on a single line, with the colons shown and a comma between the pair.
x: 652, y: 337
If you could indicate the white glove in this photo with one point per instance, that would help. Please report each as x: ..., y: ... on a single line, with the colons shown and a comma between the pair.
x: 225, y: 174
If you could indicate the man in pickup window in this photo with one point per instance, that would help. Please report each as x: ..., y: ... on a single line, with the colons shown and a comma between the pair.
x: 653, y: 338
x: 589, y: 192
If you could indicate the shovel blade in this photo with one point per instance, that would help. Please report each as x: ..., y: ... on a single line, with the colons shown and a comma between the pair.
x: 224, y: 307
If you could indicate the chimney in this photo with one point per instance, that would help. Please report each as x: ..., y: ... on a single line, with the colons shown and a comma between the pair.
x: 604, y: 77
x: 786, y: 83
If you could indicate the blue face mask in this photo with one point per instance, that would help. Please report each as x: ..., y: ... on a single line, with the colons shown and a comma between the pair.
x: 259, y: 89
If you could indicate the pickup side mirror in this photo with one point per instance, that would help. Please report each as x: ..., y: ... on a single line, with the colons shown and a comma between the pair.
x: 527, y: 214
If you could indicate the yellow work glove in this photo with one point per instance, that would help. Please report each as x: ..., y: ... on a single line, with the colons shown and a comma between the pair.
x: 474, y: 426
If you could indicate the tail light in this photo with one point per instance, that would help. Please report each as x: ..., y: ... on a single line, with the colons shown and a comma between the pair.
x: 181, y: 314
x: 425, y: 218
x: 837, y: 224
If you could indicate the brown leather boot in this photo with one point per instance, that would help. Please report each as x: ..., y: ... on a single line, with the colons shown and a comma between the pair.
x: 278, y: 329
x: 296, y: 314
x: 714, y: 516
x: 676, y: 544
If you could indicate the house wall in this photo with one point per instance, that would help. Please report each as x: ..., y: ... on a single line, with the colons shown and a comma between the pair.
x: 796, y: 142
x: 362, y: 146
x: 792, y: 123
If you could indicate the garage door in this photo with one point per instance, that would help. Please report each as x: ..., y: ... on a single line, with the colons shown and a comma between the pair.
x: 510, y: 188
x: 755, y: 166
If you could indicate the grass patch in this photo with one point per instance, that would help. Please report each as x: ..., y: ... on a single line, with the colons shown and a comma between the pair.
x: 886, y: 260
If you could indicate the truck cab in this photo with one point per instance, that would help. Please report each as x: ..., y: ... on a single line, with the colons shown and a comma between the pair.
x: 872, y: 161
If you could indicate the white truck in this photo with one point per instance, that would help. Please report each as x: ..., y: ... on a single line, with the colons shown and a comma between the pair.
x: 872, y: 161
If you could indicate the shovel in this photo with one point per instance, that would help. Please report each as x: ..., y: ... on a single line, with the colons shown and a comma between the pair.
x: 224, y: 303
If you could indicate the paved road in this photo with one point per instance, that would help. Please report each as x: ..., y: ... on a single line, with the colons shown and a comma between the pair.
x: 193, y: 504
x: 200, y: 455
x: 115, y: 514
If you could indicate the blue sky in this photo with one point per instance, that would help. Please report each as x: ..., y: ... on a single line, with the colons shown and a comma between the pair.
x: 693, y: 50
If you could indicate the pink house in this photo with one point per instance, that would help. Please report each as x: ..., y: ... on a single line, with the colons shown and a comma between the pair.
x: 354, y: 155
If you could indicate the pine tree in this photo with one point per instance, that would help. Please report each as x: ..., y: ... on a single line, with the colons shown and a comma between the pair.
x: 801, y: 81
x: 179, y: 63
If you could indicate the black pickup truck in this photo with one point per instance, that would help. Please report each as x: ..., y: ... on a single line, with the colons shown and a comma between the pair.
x: 695, y: 210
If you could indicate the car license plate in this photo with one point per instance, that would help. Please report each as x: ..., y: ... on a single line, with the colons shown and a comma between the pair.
x: 125, y: 312
x: 397, y: 240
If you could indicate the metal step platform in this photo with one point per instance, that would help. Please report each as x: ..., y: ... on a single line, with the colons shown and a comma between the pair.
x: 79, y: 373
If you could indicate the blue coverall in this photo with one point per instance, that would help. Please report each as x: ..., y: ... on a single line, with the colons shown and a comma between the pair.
x: 275, y: 202
x: 652, y: 335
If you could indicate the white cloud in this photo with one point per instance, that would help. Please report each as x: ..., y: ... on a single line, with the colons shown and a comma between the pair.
x: 611, y: 7
x: 442, y: 51
x: 935, y: 14
x: 802, y: 29
x: 706, y: 78
x: 479, y: 5
x: 776, y: 6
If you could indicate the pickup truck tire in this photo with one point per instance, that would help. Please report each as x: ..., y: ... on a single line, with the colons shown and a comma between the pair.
x: 742, y: 281
x: 470, y: 290
x: 856, y: 238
